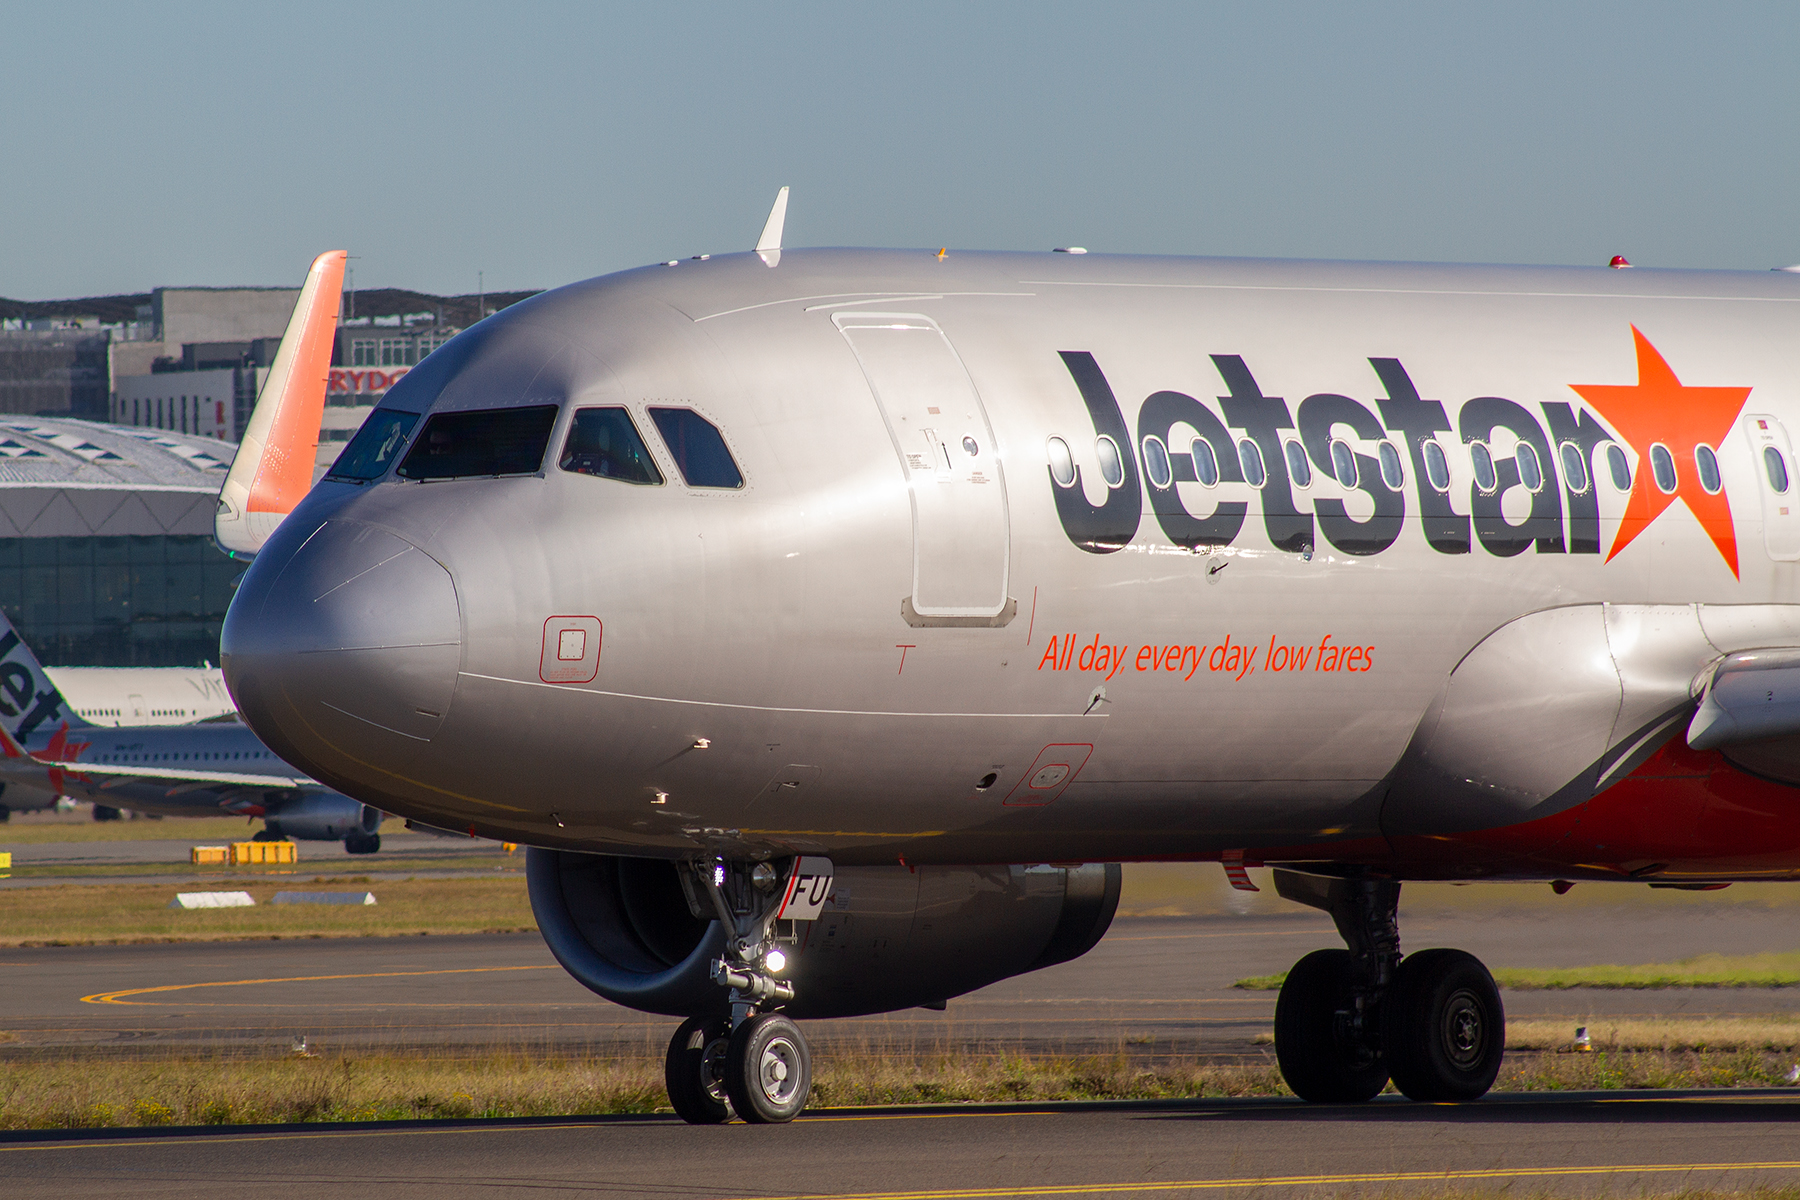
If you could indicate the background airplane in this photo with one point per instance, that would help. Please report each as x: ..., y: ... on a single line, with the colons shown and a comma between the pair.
x: 207, y: 768
x: 126, y: 696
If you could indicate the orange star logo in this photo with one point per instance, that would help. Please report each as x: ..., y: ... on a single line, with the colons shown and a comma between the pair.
x: 1658, y: 409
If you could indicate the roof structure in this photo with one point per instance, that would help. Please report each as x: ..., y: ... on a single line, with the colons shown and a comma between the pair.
x: 61, y: 477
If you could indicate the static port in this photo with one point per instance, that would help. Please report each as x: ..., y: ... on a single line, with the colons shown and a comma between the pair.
x: 986, y: 781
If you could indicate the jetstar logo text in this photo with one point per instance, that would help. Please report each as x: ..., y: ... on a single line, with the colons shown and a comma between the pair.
x: 1548, y: 468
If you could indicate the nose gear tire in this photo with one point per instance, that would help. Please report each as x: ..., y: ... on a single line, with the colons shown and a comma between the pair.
x: 1443, y: 1027
x: 1319, y: 1058
x: 768, y: 1070
x: 694, y: 1070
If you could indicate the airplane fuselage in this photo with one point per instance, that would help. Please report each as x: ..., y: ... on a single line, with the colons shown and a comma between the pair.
x: 983, y: 596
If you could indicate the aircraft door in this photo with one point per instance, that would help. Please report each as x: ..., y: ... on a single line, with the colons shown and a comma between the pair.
x: 946, y: 447
x: 1778, y: 485
x: 134, y: 705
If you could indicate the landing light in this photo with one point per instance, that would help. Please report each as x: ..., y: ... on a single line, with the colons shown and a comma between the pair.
x: 775, y: 961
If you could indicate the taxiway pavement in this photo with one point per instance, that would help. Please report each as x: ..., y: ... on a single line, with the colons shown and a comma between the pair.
x: 1153, y: 986
x: 1564, y: 1145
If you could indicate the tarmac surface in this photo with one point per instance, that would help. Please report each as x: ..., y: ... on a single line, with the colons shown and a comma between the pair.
x: 1564, y: 1145
x: 1154, y: 986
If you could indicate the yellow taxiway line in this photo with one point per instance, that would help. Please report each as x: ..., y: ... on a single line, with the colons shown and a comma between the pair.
x: 1273, y: 1181
x: 116, y: 997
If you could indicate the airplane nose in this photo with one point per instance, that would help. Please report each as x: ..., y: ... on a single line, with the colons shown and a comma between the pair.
x: 348, y: 652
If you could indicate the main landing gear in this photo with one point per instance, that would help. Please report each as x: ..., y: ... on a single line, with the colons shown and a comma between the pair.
x: 754, y: 1063
x: 1347, y: 1021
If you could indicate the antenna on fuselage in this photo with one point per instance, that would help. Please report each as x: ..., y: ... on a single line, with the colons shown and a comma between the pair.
x: 768, y: 246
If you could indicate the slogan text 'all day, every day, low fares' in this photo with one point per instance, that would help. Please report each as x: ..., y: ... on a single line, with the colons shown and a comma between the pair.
x: 1238, y: 660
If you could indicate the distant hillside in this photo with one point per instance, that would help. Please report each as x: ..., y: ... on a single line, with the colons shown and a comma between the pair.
x: 110, y: 309
x: 458, y: 311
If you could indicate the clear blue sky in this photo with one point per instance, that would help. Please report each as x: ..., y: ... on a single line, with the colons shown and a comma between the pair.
x: 201, y: 143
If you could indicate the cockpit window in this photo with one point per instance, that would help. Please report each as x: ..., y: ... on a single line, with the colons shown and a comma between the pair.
x: 603, y: 441
x: 491, y: 441
x: 697, y: 448
x: 371, y: 452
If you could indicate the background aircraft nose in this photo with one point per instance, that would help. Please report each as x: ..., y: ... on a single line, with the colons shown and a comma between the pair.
x: 348, y: 652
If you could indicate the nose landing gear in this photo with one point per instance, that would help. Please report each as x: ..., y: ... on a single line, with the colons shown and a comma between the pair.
x: 754, y: 1063
x: 1349, y: 1020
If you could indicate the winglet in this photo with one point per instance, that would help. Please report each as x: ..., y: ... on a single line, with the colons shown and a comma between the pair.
x: 768, y: 246
x: 273, y: 469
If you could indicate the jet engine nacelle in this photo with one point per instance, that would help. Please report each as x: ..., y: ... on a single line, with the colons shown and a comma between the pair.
x: 889, y: 937
x: 323, y: 817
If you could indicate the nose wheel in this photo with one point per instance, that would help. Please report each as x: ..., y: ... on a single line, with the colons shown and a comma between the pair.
x: 694, y: 1070
x: 768, y: 1069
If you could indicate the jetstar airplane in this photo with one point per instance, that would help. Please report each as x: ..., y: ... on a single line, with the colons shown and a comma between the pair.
x: 126, y: 696
x: 937, y: 574
x: 205, y: 769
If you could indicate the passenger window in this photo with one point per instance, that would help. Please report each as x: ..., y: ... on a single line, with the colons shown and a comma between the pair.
x: 604, y: 442
x: 1619, y: 467
x: 1156, y: 462
x: 1574, y: 464
x: 371, y: 452
x: 1343, y: 463
x: 1250, y: 458
x: 1662, y: 467
x: 1299, y: 470
x: 1062, y: 462
x: 483, y: 442
x: 1531, y: 471
x: 1437, y: 466
x: 1392, y: 472
x: 1708, y: 462
x: 1206, y: 464
x: 1483, y: 461
x: 1112, y: 468
x: 698, y: 448
x: 1776, y: 466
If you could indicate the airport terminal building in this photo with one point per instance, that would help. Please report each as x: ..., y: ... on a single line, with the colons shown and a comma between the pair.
x: 106, y: 550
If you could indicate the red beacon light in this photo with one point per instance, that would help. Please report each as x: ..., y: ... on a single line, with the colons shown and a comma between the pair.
x: 1618, y: 261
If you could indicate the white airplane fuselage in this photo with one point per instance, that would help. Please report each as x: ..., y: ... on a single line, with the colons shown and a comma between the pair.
x: 917, y: 632
x: 143, y: 695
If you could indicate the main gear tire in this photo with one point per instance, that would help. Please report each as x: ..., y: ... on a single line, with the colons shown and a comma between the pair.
x: 1318, y: 1059
x: 768, y: 1070
x: 694, y: 1070
x: 359, y: 842
x: 1443, y: 1028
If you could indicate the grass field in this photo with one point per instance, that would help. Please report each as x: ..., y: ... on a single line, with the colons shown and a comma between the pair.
x: 1201, y: 889
x: 98, y: 1090
x: 1706, y: 971
x: 114, y: 913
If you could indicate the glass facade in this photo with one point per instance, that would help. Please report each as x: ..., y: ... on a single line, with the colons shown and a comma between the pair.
x: 118, y: 601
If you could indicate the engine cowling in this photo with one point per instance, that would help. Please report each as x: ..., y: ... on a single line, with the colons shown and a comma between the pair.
x: 889, y: 938
x: 323, y: 817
